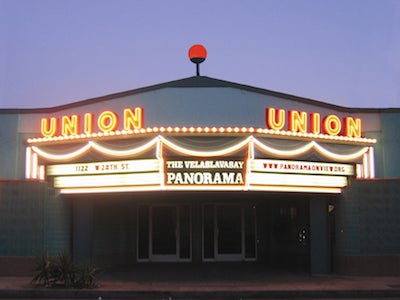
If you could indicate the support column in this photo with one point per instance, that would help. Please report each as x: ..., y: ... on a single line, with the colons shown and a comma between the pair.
x: 320, y: 249
x: 82, y: 249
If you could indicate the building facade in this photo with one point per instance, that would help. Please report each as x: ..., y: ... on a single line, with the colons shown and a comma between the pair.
x: 201, y: 170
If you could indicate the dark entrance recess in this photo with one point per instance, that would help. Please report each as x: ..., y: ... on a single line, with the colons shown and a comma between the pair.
x: 273, y: 231
x: 289, y: 243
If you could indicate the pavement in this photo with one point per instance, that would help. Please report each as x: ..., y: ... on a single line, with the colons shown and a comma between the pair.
x: 180, y: 282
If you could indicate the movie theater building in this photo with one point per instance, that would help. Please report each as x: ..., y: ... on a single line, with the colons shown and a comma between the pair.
x: 203, y: 171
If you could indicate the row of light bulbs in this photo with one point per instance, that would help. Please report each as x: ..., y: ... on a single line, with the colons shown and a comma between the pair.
x: 201, y: 130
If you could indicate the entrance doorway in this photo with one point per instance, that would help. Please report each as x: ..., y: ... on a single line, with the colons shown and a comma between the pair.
x: 290, y: 242
x: 229, y: 232
x: 164, y: 233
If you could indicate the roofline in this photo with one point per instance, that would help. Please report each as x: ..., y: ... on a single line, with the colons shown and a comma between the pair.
x: 191, y: 82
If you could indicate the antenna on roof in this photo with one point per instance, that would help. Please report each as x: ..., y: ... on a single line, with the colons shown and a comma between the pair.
x: 197, y: 54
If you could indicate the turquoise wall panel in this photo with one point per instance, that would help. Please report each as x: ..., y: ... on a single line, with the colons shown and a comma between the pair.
x: 391, y: 144
x: 367, y: 218
x: 8, y: 146
x: 32, y: 219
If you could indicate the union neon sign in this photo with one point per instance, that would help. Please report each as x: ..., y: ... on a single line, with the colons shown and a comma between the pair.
x: 277, y: 120
x: 300, y: 121
x: 107, y: 121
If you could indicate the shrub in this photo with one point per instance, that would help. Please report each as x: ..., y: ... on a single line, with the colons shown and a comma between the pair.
x: 63, y: 271
x: 87, y: 276
x: 44, y: 270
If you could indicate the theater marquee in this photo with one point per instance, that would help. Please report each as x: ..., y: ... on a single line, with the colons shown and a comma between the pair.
x: 254, y: 158
x: 237, y: 167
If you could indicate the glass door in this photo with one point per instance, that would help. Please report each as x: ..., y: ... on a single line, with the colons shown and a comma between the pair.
x: 164, y: 233
x: 229, y: 232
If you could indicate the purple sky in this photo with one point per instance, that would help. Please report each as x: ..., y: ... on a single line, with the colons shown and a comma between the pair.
x: 344, y: 52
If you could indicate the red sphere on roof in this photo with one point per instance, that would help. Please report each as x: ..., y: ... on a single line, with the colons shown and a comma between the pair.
x: 197, y: 53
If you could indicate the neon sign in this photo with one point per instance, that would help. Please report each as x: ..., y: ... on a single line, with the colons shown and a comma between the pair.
x: 107, y: 121
x: 299, y: 121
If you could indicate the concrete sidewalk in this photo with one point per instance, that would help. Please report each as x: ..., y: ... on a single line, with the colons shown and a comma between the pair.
x: 271, y: 286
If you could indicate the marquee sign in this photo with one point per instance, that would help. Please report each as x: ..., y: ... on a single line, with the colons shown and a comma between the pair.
x: 107, y: 167
x: 267, y: 173
x: 229, y: 173
x: 138, y: 173
x: 301, y: 167
x: 221, y: 171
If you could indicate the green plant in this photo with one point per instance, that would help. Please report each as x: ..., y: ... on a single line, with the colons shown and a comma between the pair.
x: 44, y: 270
x: 65, y: 269
x: 87, y: 276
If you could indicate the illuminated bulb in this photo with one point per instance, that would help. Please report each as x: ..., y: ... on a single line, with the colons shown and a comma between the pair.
x: 162, y: 129
x: 229, y: 129
x: 214, y: 129
x: 169, y: 129
x: 177, y: 129
x: 236, y: 129
x: 207, y: 129
x: 251, y: 129
x: 155, y: 129
x: 221, y: 129
x: 191, y: 129
x: 244, y: 129
x: 199, y: 129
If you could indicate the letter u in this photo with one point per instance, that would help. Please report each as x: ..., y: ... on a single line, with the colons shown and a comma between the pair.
x: 275, y: 119
x: 49, y: 129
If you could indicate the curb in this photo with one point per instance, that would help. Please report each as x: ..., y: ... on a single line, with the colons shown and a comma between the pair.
x: 270, y: 294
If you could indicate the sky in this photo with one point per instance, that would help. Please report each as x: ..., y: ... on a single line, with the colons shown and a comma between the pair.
x: 343, y: 52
